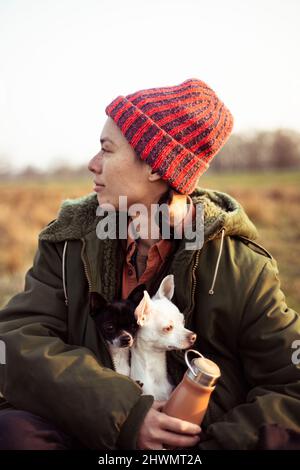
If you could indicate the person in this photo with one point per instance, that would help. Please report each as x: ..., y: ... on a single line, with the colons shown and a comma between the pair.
x: 59, y: 387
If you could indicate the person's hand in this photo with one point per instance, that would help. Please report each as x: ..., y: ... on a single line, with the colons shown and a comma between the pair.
x: 160, y: 430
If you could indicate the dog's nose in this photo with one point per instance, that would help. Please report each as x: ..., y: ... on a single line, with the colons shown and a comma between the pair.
x: 192, y: 338
x: 125, y: 340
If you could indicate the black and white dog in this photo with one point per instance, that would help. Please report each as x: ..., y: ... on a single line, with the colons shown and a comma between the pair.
x: 117, y: 323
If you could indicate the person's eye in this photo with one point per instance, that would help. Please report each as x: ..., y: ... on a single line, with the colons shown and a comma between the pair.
x: 105, y: 150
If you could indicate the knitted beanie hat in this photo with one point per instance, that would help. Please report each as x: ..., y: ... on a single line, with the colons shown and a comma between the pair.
x: 176, y: 130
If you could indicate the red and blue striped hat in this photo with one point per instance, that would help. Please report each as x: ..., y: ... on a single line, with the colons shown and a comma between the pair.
x: 176, y: 130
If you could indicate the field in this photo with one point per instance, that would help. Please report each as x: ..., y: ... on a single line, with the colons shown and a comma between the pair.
x: 271, y: 200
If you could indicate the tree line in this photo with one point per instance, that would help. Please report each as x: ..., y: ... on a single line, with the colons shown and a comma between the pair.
x: 260, y: 150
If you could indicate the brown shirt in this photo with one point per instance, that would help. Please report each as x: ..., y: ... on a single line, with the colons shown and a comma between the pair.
x: 156, y: 257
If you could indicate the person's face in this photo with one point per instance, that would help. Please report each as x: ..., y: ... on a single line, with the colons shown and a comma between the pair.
x: 119, y: 172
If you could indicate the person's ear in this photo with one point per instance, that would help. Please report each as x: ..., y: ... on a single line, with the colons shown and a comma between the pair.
x: 153, y: 175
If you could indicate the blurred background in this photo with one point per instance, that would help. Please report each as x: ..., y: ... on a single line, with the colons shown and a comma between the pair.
x: 62, y: 62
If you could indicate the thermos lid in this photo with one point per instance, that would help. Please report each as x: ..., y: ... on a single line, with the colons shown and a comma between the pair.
x: 202, y: 370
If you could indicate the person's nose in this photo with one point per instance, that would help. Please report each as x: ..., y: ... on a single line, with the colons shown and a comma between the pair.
x: 95, y: 164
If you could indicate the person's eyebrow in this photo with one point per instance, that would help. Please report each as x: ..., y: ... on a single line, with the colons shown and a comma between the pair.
x: 106, y: 139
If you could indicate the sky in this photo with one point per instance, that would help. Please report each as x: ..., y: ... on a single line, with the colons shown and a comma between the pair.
x: 62, y: 62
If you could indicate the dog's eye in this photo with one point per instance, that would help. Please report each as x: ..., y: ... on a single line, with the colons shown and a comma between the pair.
x: 168, y: 328
x: 109, y: 328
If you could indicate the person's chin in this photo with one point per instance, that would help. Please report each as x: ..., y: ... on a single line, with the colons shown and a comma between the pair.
x: 105, y: 205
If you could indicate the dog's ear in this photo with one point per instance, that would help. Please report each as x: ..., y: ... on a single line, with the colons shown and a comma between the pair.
x: 137, y: 294
x: 166, y: 288
x: 97, y: 303
x: 143, y: 309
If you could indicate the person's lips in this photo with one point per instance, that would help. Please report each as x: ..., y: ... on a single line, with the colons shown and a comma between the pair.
x: 98, y: 186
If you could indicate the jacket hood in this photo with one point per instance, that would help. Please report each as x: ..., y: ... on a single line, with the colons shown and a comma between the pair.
x: 77, y: 217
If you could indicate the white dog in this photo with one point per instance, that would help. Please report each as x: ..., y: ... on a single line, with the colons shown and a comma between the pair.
x: 161, y: 328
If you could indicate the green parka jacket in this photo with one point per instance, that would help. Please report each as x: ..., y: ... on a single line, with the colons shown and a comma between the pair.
x: 59, y: 367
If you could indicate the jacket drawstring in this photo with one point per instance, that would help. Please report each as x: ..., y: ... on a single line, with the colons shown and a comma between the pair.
x: 211, y: 290
x: 63, y: 272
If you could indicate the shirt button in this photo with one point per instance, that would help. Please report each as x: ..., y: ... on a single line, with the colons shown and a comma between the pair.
x: 130, y: 272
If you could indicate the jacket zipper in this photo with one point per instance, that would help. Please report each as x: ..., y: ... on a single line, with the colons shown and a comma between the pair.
x: 86, y: 271
x: 85, y: 265
x: 194, y: 282
x: 193, y: 274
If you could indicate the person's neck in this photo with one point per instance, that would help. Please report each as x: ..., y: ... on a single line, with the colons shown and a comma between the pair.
x: 178, y: 209
x: 145, y: 241
x: 144, y: 244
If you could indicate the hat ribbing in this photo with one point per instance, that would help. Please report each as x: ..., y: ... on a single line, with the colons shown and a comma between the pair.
x: 176, y: 130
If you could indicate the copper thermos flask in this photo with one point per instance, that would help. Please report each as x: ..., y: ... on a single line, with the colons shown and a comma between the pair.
x: 189, y: 400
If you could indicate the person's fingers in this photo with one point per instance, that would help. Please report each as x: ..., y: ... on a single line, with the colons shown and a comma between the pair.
x: 165, y: 439
x: 178, y: 425
x: 147, y: 437
x: 176, y: 440
x: 160, y: 430
x: 154, y: 446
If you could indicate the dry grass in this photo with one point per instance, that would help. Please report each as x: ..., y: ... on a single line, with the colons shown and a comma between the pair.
x: 271, y: 201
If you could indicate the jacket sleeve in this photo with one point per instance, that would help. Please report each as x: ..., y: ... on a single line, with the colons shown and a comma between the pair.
x: 62, y: 382
x: 269, y: 332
